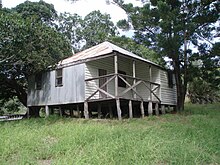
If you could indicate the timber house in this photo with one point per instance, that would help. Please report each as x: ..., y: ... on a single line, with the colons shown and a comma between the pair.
x: 104, y: 81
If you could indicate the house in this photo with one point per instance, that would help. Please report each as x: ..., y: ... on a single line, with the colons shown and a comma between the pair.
x: 105, y: 79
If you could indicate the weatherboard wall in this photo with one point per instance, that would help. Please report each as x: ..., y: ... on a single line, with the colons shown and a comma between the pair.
x: 72, y: 90
x: 168, y: 95
x: 143, y: 72
x: 92, y: 70
x: 124, y: 64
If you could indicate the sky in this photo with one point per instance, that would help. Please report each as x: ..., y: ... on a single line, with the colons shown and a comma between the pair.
x: 81, y: 7
x: 84, y: 7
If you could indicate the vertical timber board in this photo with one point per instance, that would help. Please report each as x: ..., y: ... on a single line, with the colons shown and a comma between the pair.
x: 134, y: 76
x: 130, y: 109
x: 163, y: 109
x: 150, y: 110
x: 116, y: 72
x: 86, y: 110
x: 157, y: 108
x: 118, y: 109
x: 142, y: 109
x: 150, y: 73
x: 60, y: 111
x: 47, y: 111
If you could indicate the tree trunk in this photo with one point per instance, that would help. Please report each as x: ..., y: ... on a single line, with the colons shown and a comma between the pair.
x: 22, y: 96
x: 179, y: 86
x: 185, y: 74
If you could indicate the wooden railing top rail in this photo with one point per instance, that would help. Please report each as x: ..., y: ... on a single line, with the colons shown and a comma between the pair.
x: 137, y: 78
x: 104, y: 76
x: 123, y: 75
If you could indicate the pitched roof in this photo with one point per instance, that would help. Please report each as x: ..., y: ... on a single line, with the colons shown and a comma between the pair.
x: 102, y: 49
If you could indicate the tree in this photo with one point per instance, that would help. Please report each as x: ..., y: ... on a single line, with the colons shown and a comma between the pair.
x: 27, y: 46
x: 70, y: 25
x: 204, y: 86
x: 96, y: 28
x: 169, y: 27
x: 39, y: 11
x: 141, y: 50
x: 90, y: 31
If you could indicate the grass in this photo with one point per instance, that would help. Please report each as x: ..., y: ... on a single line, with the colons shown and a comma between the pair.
x: 191, y: 137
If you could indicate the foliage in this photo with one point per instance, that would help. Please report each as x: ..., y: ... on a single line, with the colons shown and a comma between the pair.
x: 26, y: 47
x: 168, y: 27
x: 70, y: 25
x: 90, y: 31
x: 191, y: 137
x: 141, y: 50
x: 11, y: 106
x: 96, y: 28
x: 202, y: 92
x: 204, y: 86
x: 40, y: 11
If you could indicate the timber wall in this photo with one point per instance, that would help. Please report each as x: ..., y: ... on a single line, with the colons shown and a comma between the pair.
x: 72, y: 91
x: 124, y: 64
x: 168, y: 95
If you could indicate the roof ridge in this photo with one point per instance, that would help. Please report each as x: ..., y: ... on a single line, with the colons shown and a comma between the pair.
x: 109, y: 44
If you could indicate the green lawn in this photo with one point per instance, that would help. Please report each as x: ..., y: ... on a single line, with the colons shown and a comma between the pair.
x: 192, y: 137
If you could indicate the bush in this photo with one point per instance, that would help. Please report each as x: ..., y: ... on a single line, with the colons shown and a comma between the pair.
x: 11, y: 106
x: 202, y: 92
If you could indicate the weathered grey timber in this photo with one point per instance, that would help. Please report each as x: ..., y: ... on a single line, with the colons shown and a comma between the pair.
x: 12, y: 117
x: 106, y: 75
x: 130, y: 109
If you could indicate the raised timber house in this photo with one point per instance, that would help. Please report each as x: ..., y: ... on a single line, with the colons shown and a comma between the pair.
x: 103, y: 81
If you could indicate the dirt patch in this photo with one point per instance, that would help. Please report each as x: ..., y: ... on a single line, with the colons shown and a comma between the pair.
x: 44, y: 162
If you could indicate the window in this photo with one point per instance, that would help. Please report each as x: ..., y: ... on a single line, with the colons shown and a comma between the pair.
x: 121, y: 83
x: 59, y: 77
x: 38, y: 81
x: 170, y: 79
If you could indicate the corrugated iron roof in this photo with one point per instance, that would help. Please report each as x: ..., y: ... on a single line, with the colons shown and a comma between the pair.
x: 102, y: 49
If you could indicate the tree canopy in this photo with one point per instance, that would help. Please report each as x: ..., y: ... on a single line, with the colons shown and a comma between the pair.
x: 40, y: 11
x: 27, y: 46
x: 86, y: 32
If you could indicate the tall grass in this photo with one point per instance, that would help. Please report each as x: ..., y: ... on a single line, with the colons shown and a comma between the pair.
x: 191, y: 137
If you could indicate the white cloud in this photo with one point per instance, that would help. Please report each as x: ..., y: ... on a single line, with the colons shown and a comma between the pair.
x: 82, y: 7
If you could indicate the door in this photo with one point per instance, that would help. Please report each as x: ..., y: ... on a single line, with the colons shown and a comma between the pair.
x: 102, y: 72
